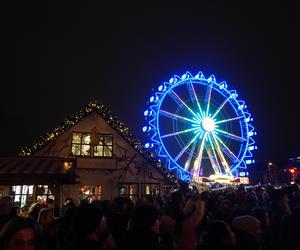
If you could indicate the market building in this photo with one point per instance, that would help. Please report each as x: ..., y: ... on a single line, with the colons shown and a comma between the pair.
x: 96, y: 158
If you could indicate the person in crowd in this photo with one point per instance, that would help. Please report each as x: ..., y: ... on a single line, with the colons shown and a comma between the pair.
x: 119, y: 217
x: 50, y: 203
x: 240, y: 194
x: 48, y: 227
x: 171, y: 220
x: 247, y: 230
x: 262, y: 215
x: 33, y: 214
x: 64, y: 227
x: 219, y: 236
x: 144, y: 229
x: 89, y: 230
x: 224, y: 210
x: 106, y: 208
x: 262, y: 196
x: 34, y: 210
x: 7, y: 212
x: 290, y: 230
x: 20, y: 233
x: 182, y: 219
x: 24, y: 210
x: 250, y: 200
x: 278, y: 210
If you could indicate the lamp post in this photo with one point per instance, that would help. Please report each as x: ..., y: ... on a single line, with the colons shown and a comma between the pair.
x: 270, y: 164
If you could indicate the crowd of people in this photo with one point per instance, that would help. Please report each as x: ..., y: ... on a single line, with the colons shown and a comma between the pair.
x: 240, y: 218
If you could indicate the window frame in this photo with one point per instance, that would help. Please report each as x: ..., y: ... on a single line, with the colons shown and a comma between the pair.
x: 143, y: 188
x: 47, y: 194
x: 21, y: 194
x: 92, y: 147
x: 128, y: 194
x: 34, y: 195
x: 89, y: 196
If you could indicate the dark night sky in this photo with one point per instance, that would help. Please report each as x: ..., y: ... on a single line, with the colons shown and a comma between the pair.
x: 56, y: 58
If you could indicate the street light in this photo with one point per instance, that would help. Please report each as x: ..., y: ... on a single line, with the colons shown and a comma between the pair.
x: 293, y: 173
x: 270, y: 164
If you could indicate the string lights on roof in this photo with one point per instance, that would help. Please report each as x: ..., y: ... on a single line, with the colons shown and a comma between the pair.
x: 114, y: 122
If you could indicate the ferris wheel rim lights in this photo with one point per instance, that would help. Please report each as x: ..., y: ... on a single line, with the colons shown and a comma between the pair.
x: 203, y: 125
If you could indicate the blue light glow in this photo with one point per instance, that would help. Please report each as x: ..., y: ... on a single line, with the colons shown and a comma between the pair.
x: 200, y: 127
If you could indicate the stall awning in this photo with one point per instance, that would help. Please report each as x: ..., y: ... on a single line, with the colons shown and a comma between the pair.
x: 35, y: 170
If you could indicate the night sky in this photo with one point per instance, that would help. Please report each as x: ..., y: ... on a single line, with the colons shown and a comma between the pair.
x: 57, y: 58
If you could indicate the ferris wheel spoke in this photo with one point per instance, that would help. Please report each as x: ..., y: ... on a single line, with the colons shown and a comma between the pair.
x: 231, y: 136
x: 187, y: 146
x: 176, y: 117
x: 212, y: 157
x: 221, y: 106
x: 177, y: 98
x: 227, y: 151
x: 188, y: 162
x: 193, y: 95
x: 198, y: 161
x: 213, y: 149
x: 229, y: 120
x: 222, y: 157
x: 208, y: 97
x: 180, y: 132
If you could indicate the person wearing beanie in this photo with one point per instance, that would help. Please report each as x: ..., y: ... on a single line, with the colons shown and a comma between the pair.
x: 143, y: 232
x: 89, y: 229
x: 248, y: 232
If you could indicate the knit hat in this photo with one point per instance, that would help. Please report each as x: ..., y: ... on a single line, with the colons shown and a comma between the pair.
x: 246, y: 223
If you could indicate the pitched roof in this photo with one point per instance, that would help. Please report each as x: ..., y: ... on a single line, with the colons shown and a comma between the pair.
x: 113, y: 122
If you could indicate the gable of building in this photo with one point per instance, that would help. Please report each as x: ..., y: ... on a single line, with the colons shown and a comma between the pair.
x: 95, y: 119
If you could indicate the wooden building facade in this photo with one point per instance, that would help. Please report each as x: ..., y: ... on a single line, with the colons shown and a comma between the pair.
x: 109, y: 160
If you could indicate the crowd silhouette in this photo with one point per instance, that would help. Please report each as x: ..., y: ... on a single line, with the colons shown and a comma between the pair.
x: 232, y: 218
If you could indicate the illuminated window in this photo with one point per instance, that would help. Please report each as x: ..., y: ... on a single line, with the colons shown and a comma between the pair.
x: 129, y: 190
x: 43, y: 193
x: 90, y: 193
x: 150, y: 189
x: 90, y: 144
x: 22, y: 195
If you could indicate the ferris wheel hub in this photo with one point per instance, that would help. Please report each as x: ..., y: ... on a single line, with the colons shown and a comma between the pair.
x: 208, y: 124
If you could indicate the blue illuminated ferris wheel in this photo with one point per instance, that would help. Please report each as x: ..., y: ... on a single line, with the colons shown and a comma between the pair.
x: 200, y: 128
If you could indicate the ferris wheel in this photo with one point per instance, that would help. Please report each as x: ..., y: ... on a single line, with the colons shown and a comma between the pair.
x: 200, y: 128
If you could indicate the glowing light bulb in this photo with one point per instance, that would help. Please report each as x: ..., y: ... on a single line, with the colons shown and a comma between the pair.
x: 208, y: 124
